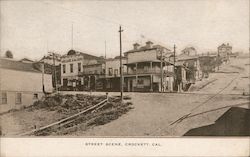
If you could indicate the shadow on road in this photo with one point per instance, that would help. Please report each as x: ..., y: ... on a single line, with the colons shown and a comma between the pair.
x: 234, y: 122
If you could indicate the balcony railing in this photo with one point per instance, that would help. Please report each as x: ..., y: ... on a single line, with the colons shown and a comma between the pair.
x: 143, y: 71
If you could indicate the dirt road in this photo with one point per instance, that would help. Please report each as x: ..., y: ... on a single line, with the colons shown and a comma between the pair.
x: 153, y: 112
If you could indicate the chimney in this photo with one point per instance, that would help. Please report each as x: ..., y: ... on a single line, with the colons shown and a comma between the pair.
x: 149, y: 44
x: 136, y: 46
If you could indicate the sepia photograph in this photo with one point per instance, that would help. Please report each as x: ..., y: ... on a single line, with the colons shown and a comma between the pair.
x: 124, y: 69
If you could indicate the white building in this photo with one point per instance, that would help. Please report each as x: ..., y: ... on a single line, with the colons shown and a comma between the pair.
x: 112, y: 73
x: 144, y: 68
x: 72, y: 66
x: 52, y: 58
x: 21, y: 84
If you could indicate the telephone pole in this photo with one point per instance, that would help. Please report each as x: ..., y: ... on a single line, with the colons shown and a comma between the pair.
x: 121, y: 69
x: 72, y: 36
x: 161, y: 71
x: 54, y: 68
x: 174, y: 69
x: 174, y: 54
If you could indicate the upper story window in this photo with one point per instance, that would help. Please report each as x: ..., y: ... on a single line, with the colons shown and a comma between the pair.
x: 64, y: 68
x: 4, y: 98
x: 71, y: 68
x: 79, y: 67
x: 18, y: 98
x: 116, y: 72
x: 110, y: 71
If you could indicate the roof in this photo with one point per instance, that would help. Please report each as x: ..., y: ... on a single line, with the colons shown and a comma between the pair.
x: 224, y: 45
x: 116, y: 58
x: 26, y: 59
x: 187, y: 57
x: 146, y: 48
x: 86, y: 56
x: 20, y: 66
x: 91, y: 65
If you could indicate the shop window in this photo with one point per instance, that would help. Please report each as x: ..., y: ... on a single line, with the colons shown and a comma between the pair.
x: 140, y: 82
x: 4, y: 98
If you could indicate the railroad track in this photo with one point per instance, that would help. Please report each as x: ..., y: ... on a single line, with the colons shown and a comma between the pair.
x: 66, y: 121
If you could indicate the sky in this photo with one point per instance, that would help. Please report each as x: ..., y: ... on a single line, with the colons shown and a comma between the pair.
x: 32, y: 28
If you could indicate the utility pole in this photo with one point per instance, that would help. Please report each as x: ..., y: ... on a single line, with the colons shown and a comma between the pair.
x: 105, y: 57
x: 43, y: 76
x: 161, y: 71
x: 54, y: 68
x: 72, y: 36
x: 174, y: 68
x: 174, y: 54
x: 218, y: 64
x: 121, y: 69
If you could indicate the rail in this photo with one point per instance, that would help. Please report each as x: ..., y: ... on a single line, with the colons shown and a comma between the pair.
x: 66, y: 119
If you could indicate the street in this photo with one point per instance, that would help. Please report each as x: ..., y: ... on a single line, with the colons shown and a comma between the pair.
x: 154, y: 112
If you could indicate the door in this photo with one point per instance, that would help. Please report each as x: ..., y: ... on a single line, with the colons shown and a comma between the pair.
x: 130, y: 86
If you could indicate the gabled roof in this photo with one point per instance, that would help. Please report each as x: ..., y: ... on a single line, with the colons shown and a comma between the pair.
x: 20, y: 66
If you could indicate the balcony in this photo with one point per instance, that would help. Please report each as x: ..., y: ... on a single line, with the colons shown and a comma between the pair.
x: 146, y: 71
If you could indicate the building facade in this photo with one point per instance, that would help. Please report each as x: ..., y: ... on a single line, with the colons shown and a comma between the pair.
x: 72, y: 67
x: 52, y: 65
x: 91, y: 76
x: 112, y: 73
x: 224, y: 51
x: 21, y: 84
x: 193, y: 68
x: 148, y: 69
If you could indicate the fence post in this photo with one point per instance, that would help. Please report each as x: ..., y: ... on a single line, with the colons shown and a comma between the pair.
x: 107, y: 96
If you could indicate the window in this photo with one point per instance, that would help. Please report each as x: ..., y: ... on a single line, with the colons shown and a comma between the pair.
x: 110, y: 71
x: 116, y: 72
x: 71, y: 68
x: 140, y: 82
x: 35, y: 96
x: 4, y: 98
x: 18, y: 98
x: 64, y: 68
x: 79, y: 67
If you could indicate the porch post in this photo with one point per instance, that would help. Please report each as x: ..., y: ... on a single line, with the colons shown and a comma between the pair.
x: 151, y: 67
x: 151, y: 82
x: 136, y: 77
x: 95, y: 82
x: 89, y: 82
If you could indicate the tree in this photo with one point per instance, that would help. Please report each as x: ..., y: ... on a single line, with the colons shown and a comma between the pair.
x: 8, y: 54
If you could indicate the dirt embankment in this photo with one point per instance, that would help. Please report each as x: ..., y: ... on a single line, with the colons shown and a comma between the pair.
x: 58, y: 107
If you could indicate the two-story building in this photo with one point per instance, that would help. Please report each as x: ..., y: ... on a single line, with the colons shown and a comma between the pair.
x: 193, y: 68
x: 72, y: 67
x: 21, y: 84
x: 148, y: 69
x: 224, y: 51
x: 112, y: 73
x: 92, y: 75
x: 52, y: 65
